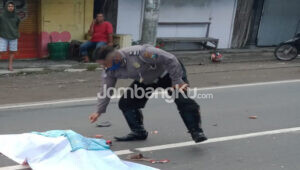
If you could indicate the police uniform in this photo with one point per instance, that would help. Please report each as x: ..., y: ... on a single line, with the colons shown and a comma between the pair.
x: 149, y: 67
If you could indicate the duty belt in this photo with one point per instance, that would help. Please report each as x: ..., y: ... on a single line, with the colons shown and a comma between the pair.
x: 161, y: 76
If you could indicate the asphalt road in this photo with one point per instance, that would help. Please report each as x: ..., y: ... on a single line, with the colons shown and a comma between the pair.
x: 276, y: 106
x: 64, y: 85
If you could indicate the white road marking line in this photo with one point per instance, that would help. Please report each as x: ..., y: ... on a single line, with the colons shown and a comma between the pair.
x: 92, y: 99
x: 22, y: 167
x: 123, y: 152
x: 46, y: 103
x: 17, y: 167
x: 189, y: 143
x: 221, y: 139
x: 250, y: 84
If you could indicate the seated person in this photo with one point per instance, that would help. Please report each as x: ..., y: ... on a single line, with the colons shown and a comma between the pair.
x: 102, y: 34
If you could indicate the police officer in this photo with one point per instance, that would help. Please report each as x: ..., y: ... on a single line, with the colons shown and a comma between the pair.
x: 148, y: 67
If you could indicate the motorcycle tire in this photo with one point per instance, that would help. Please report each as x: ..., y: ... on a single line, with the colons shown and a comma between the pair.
x: 283, y: 52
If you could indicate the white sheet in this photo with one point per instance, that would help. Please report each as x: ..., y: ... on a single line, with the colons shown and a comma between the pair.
x: 44, y: 153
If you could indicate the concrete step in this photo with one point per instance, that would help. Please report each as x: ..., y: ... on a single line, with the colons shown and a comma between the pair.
x: 229, y: 55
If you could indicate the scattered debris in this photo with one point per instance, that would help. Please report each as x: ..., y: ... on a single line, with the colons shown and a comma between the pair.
x: 140, y: 157
x: 81, y: 80
x: 109, y: 142
x: 154, y: 132
x: 104, y: 124
x: 136, y: 156
x: 160, y: 161
x: 91, y: 67
x: 72, y: 70
x: 25, y: 163
x: 252, y: 117
x: 216, y: 57
x: 61, y: 86
x: 98, y: 136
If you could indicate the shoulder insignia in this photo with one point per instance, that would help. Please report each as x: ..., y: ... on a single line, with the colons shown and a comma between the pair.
x: 150, y: 55
x: 134, y: 53
x: 147, y: 55
x: 136, y: 65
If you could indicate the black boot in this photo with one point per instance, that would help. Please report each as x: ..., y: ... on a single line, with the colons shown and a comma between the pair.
x: 192, y: 121
x: 198, y: 136
x: 134, y: 119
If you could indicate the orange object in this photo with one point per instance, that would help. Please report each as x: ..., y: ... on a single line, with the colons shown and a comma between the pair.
x: 252, y: 117
x: 109, y: 142
x: 98, y: 136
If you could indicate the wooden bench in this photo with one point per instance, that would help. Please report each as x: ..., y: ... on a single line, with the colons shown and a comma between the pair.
x: 203, y: 41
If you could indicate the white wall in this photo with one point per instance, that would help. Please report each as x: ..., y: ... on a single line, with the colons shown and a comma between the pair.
x: 185, y: 10
x: 219, y: 12
x: 223, y: 14
x: 129, y: 18
x: 182, y: 30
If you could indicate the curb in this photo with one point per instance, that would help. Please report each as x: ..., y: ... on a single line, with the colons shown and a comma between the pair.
x: 200, y: 58
x: 187, y: 57
x: 26, y: 71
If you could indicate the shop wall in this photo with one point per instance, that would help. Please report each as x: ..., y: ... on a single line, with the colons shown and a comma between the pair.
x: 64, y: 20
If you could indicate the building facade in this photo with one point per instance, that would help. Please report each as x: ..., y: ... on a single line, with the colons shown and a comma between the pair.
x: 236, y: 23
x: 45, y: 21
x: 181, y: 18
x: 265, y: 22
x: 280, y: 21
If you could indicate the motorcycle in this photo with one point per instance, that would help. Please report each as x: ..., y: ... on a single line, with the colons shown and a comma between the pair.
x: 288, y: 50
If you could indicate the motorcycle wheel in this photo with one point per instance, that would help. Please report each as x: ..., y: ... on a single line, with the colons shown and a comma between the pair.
x: 286, y: 52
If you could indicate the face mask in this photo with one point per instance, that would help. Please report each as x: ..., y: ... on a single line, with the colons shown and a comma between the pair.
x: 115, y: 66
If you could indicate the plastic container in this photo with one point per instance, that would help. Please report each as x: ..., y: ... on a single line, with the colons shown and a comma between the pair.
x: 58, y: 50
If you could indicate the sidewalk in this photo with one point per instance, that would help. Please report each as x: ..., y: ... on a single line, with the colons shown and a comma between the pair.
x: 188, y: 58
x: 229, y: 55
x: 65, y: 85
x: 45, y: 65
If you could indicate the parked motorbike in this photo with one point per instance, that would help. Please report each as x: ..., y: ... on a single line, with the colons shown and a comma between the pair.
x: 288, y: 50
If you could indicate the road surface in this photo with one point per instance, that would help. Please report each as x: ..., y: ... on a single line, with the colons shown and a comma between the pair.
x: 270, y: 142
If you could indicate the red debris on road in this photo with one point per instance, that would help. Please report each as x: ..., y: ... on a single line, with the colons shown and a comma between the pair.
x: 109, y: 142
x: 98, y: 136
x: 252, y: 117
x: 140, y: 157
